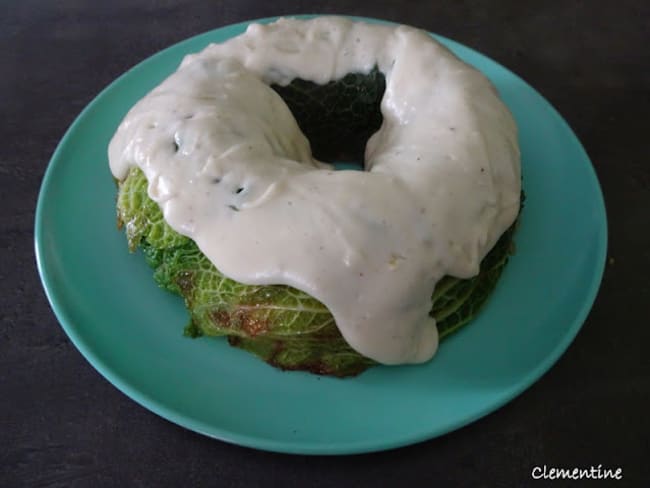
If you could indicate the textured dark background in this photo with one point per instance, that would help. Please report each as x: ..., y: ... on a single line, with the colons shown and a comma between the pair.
x: 62, y: 424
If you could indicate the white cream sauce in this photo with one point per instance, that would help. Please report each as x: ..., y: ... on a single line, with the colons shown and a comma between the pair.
x: 229, y: 167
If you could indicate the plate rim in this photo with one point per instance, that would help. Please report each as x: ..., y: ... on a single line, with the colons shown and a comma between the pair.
x: 311, y: 447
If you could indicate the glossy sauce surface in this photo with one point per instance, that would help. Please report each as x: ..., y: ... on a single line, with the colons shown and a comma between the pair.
x: 229, y: 167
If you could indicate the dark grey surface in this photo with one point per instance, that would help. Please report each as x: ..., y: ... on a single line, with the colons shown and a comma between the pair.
x: 62, y: 424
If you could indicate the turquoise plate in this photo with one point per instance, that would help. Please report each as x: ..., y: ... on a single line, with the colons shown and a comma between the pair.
x: 131, y: 331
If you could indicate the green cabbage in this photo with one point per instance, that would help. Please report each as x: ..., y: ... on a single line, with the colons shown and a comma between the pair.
x: 282, y: 325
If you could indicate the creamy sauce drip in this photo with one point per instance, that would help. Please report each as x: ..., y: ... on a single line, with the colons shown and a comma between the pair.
x: 230, y: 168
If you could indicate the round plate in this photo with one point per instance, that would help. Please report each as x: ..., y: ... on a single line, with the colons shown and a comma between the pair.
x: 131, y: 331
